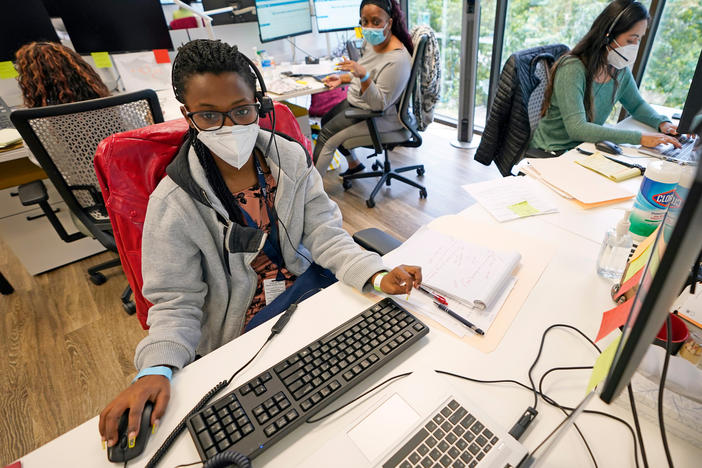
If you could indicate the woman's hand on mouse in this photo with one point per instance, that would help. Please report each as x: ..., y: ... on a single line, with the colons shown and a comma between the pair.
x: 655, y: 139
x: 668, y: 128
x: 155, y: 388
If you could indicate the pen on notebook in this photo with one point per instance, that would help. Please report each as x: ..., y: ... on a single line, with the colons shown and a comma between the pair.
x: 459, y: 318
x: 435, y: 296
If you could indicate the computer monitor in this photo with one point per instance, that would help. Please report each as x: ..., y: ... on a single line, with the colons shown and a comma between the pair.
x: 115, y: 25
x: 230, y: 18
x: 693, y: 103
x: 336, y: 15
x: 676, y: 248
x: 23, y: 21
x: 283, y: 18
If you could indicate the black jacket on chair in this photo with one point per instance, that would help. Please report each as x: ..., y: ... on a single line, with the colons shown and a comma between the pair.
x: 507, y: 132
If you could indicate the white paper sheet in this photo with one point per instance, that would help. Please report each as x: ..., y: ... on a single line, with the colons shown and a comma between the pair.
x: 140, y: 71
x: 498, y: 196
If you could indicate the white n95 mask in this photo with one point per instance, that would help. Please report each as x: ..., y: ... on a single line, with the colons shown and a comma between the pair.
x: 623, y: 56
x: 231, y: 144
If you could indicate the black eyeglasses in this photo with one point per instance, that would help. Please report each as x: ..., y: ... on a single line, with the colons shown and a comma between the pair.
x: 211, y: 120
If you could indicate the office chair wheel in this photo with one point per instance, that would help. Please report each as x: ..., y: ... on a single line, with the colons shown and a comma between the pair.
x: 98, y: 278
x: 422, y: 193
x: 370, y: 203
x: 375, y: 166
x: 129, y: 307
x: 420, y: 171
x: 346, y: 184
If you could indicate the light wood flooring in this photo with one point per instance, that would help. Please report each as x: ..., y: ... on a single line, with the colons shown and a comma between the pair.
x: 66, y: 345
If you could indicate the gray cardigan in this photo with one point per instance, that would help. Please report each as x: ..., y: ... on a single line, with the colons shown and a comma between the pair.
x: 200, y: 292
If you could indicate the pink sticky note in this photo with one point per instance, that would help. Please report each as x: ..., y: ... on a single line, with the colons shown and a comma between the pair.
x: 614, y: 318
x: 630, y: 283
x: 161, y: 56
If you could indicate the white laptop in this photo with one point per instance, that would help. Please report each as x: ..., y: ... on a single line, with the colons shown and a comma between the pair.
x: 421, y: 421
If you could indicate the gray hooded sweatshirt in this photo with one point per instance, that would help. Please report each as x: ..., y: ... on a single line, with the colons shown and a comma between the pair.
x: 196, y: 264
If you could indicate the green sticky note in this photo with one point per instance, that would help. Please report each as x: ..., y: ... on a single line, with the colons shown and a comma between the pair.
x: 637, y: 264
x: 102, y: 59
x: 523, y: 209
x: 602, y: 365
x: 7, y: 70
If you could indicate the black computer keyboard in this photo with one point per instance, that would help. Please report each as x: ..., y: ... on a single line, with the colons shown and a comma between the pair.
x: 263, y: 410
x: 453, y: 437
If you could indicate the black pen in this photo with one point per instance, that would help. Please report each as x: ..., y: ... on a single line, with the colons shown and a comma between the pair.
x: 624, y: 163
x: 459, y: 318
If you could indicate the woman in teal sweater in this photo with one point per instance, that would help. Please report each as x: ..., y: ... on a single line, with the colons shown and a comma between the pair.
x: 587, y: 82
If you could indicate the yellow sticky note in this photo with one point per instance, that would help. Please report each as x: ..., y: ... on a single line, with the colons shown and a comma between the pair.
x: 637, y: 264
x: 359, y: 32
x: 102, y: 59
x: 523, y: 209
x: 304, y: 83
x: 7, y: 70
x: 602, y: 365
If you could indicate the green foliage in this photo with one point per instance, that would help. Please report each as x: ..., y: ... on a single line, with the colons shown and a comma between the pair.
x: 539, y: 22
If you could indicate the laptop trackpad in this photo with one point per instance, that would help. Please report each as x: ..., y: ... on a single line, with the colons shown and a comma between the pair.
x: 381, y: 429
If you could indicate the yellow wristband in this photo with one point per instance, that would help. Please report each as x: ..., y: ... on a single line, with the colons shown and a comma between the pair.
x: 377, y: 280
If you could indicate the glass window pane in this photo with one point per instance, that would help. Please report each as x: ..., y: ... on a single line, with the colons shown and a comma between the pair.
x: 674, y: 55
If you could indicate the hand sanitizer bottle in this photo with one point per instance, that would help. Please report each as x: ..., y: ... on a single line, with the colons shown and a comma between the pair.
x: 616, y: 247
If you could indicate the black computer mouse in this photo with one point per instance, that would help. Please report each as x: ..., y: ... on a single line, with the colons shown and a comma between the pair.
x: 608, y: 147
x: 120, y: 452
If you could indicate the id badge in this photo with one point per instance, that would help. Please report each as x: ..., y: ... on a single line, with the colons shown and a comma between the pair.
x: 272, y: 289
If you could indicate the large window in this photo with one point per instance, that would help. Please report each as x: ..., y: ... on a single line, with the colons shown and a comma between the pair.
x: 674, y: 55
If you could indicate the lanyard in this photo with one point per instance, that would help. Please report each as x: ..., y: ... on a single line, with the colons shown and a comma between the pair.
x: 272, y: 244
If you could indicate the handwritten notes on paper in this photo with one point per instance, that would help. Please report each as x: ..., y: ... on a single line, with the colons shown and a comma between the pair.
x: 602, y: 365
x: 511, y: 198
x: 140, y: 71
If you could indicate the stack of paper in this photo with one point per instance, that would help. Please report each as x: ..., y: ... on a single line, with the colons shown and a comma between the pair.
x: 9, y: 139
x: 573, y: 181
x: 608, y: 168
x: 510, y: 198
x: 284, y: 85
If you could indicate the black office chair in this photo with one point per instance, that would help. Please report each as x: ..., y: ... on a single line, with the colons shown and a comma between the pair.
x: 380, y: 142
x: 64, y: 139
x: 516, y: 109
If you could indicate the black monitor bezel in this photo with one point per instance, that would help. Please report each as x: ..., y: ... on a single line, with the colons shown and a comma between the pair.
x: 38, y: 13
x: 693, y: 101
x: 682, y: 249
x: 263, y: 41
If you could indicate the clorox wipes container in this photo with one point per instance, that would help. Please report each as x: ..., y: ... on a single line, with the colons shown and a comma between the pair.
x: 655, y: 194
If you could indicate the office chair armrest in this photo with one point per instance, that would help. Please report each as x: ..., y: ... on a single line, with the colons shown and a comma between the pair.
x: 376, y: 240
x: 32, y: 193
x: 362, y: 114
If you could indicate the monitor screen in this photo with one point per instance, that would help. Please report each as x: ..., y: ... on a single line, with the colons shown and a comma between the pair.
x: 336, y: 15
x: 676, y: 248
x: 693, y: 103
x: 23, y: 21
x: 245, y: 15
x: 283, y: 18
x: 115, y: 25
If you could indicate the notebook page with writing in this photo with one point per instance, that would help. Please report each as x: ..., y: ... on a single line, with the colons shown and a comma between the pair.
x: 468, y: 273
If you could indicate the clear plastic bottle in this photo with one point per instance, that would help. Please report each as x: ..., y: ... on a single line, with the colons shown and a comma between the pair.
x: 615, y: 250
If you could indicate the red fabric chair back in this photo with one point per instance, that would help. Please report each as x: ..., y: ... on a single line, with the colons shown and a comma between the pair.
x: 130, y: 165
x: 184, y: 23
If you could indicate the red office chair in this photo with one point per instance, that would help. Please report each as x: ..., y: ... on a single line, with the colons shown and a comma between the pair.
x: 188, y: 22
x: 130, y: 165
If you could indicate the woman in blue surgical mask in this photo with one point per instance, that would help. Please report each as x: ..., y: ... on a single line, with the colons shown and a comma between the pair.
x: 588, y: 81
x: 377, y: 81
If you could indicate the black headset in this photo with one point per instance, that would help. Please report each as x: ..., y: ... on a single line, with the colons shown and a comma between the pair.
x: 606, y: 38
x: 266, y: 103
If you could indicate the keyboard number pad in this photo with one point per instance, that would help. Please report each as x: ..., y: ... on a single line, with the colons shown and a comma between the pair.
x: 221, y: 425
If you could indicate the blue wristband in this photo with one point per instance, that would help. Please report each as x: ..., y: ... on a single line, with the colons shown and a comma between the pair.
x: 156, y: 370
x: 365, y: 78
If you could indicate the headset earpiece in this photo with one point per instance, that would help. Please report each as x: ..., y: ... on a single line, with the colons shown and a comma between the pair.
x: 266, y: 104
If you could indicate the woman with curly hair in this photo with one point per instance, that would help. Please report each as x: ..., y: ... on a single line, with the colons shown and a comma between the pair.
x: 50, y: 73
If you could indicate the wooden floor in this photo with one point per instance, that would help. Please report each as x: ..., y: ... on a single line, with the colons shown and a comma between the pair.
x: 66, y: 345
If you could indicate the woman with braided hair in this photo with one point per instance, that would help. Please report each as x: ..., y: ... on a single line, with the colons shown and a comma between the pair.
x: 50, y: 73
x: 235, y: 221
x: 377, y: 82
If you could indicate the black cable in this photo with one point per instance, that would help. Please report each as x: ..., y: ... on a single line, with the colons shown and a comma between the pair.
x: 630, y: 391
x: 661, y: 387
x: 189, y: 464
x: 163, y: 449
x: 301, y: 50
x: 388, y: 380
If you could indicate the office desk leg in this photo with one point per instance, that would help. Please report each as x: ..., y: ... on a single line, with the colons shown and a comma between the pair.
x: 5, y: 286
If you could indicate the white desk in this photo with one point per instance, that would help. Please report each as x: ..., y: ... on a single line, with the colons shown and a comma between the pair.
x: 569, y: 291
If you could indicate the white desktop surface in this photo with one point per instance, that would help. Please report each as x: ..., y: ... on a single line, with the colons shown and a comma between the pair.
x: 569, y: 291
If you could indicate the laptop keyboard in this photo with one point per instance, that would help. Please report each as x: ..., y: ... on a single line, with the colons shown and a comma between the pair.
x: 263, y: 410
x: 668, y: 151
x: 452, y: 438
